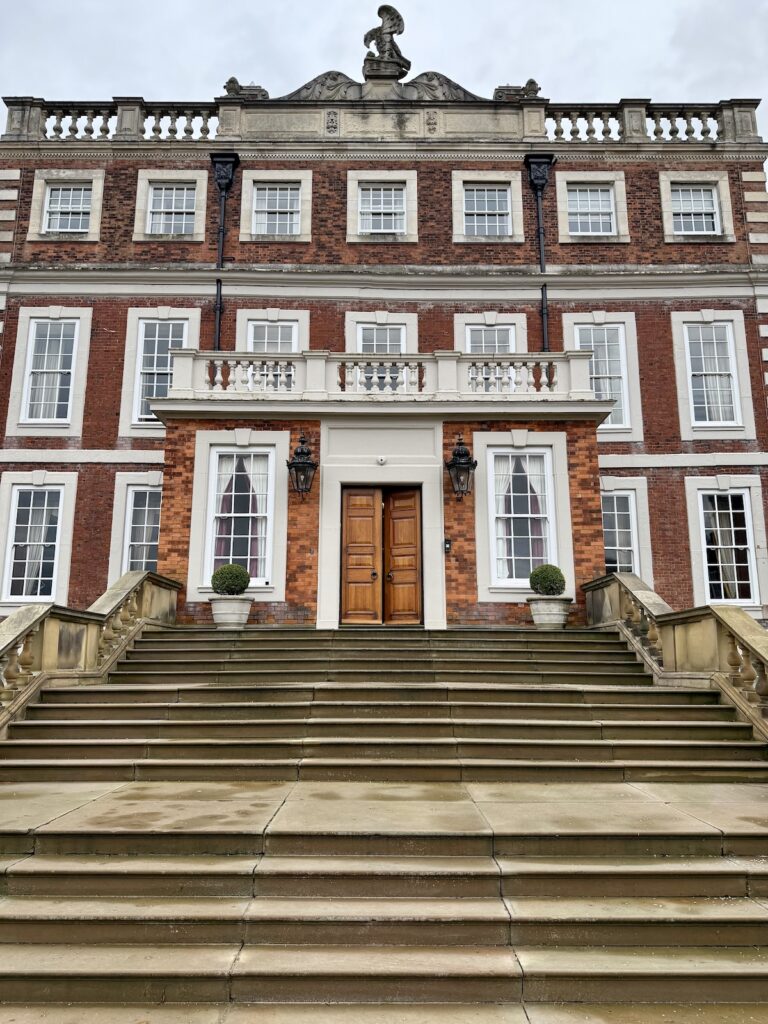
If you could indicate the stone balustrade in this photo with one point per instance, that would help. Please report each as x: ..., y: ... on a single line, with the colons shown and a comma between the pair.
x: 46, y: 640
x: 341, y: 377
x: 232, y: 118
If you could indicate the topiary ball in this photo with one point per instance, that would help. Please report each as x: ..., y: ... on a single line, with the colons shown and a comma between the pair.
x: 547, y: 580
x: 230, y: 580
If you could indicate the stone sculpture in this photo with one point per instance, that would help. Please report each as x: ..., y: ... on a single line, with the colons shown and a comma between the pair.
x: 388, y: 62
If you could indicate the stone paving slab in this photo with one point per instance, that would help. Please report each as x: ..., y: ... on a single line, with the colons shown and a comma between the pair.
x: 29, y: 805
x: 603, y: 1013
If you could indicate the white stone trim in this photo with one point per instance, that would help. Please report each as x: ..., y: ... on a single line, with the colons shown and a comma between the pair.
x: 614, y: 178
x: 74, y: 426
x: 65, y: 176
x: 637, y: 485
x: 379, y: 452
x: 6, y: 236
x: 167, y: 177
x: 198, y: 577
x: 490, y: 318
x: 745, y: 429
x: 300, y: 317
x: 634, y: 431
x: 288, y: 176
x: 407, y: 178
x: 123, y: 483
x: 39, y: 478
x: 410, y: 321
x: 556, y: 443
x: 753, y: 176
x: 9, y: 195
x: 101, y: 456
x: 512, y: 180
x: 7, y: 215
x: 10, y: 174
x: 737, y: 482
x: 127, y: 426
x: 704, y: 177
x: 758, y: 238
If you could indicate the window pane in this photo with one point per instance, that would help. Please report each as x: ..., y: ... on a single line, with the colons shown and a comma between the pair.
x: 590, y: 210
x: 694, y: 209
x: 171, y: 209
x: 273, y: 338
x: 381, y: 209
x: 491, y: 340
x: 726, y: 525
x: 241, y: 512
x: 712, y: 377
x: 68, y: 207
x: 50, y: 373
x: 276, y: 209
x: 143, y: 529
x: 382, y: 340
x: 157, y: 339
x: 606, y: 367
x: 486, y: 210
x: 35, y: 536
x: 521, y: 515
x: 618, y: 532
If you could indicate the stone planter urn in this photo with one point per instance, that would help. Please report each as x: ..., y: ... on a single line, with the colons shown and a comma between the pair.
x: 550, y: 612
x: 230, y: 612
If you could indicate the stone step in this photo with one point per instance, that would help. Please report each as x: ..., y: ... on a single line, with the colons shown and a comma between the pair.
x: 490, y: 730
x: 524, y: 651
x: 639, y: 974
x: 364, y: 711
x: 223, y: 973
x: 384, y: 749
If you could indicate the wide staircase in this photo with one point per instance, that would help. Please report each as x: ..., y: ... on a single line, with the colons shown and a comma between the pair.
x: 383, y: 827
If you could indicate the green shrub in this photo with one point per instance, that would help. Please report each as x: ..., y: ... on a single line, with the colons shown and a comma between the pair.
x: 230, y: 580
x: 547, y: 580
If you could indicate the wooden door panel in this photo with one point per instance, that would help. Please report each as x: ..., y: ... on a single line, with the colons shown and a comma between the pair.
x: 402, y: 556
x: 361, y: 554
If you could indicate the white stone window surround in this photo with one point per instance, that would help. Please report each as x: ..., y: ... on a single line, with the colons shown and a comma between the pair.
x: 208, y: 442
x: 694, y: 486
x: 721, y: 183
x: 288, y: 176
x: 67, y: 484
x: 124, y: 484
x: 633, y: 430
x: 147, y: 178
x: 371, y: 177
x: 512, y: 180
x: 745, y: 430
x: 244, y: 317
x: 555, y: 444
x: 638, y: 487
x: 65, y: 176
x: 381, y: 318
x: 490, y: 318
x: 16, y: 426
x: 613, y: 178
x: 129, y: 425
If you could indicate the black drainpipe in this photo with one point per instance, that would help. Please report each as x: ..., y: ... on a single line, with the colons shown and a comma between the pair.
x: 224, y: 166
x: 539, y: 165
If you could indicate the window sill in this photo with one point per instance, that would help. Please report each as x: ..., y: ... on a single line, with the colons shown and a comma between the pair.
x: 62, y: 236
x: 184, y: 239
x: 595, y: 240
x: 699, y: 239
x: 247, y: 237
x: 385, y: 238
x: 488, y: 239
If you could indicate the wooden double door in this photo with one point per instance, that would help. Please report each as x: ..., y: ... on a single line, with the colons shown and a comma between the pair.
x: 381, y: 556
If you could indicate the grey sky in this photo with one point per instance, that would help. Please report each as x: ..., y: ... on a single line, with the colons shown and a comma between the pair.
x: 590, y: 50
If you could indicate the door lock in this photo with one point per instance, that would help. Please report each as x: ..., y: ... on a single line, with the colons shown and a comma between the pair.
x: 374, y: 574
x: 390, y: 577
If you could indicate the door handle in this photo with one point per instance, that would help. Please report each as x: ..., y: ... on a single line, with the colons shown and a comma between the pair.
x: 390, y: 577
x: 374, y: 574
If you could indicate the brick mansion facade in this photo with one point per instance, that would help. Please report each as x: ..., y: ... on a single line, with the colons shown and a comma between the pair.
x: 579, y: 293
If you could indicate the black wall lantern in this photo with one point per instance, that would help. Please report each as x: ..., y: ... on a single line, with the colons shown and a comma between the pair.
x: 301, y: 468
x: 461, y: 469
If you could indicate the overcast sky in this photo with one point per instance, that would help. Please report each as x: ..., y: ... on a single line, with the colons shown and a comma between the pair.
x: 578, y: 50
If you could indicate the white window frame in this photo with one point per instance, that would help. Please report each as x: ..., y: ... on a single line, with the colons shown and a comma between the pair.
x: 694, y: 486
x: 26, y: 419
x: 203, y: 508
x: 720, y: 182
x: 38, y: 211
x: 17, y: 425
x: 712, y: 189
x: 124, y: 484
x: 245, y: 317
x: 302, y: 178
x: 381, y: 318
x: 135, y: 419
x: 733, y: 374
x: 129, y: 425
x: 147, y: 178
x: 632, y: 429
x: 10, y: 483
x: 408, y: 179
x: 637, y: 487
x: 689, y: 430
x: 561, y: 550
x: 634, y: 544
x: 132, y: 491
x: 512, y: 181
x: 462, y: 322
x: 615, y: 180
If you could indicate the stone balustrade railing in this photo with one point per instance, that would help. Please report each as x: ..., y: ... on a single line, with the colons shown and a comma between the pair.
x: 339, y: 377
x: 46, y: 640
x: 133, y: 119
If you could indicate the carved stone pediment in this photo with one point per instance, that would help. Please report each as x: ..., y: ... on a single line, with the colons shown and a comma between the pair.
x: 432, y: 86
x: 331, y: 86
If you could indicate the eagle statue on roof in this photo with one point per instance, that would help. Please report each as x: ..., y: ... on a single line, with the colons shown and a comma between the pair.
x: 383, y: 38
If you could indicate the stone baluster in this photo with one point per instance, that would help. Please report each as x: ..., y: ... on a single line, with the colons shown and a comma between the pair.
x: 605, y: 117
x: 157, y: 128
x: 760, y: 684
x: 674, y: 130
x: 11, y: 670
x: 559, y: 132
x: 747, y: 674
x: 106, y: 639
x: 658, y: 128
x: 88, y: 126
x: 706, y: 131
x: 575, y: 130
x: 74, y: 119
x: 591, y: 131
x: 733, y: 660
x: 517, y: 382
x: 654, y: 641
x: 173, y: 125
x: 341, y: 377
x: 205, y: 129
x: 690, y: 130
x: 57, y: 129
x: 104, y: 127
x: 218, y: 374
x: 188, y: 124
